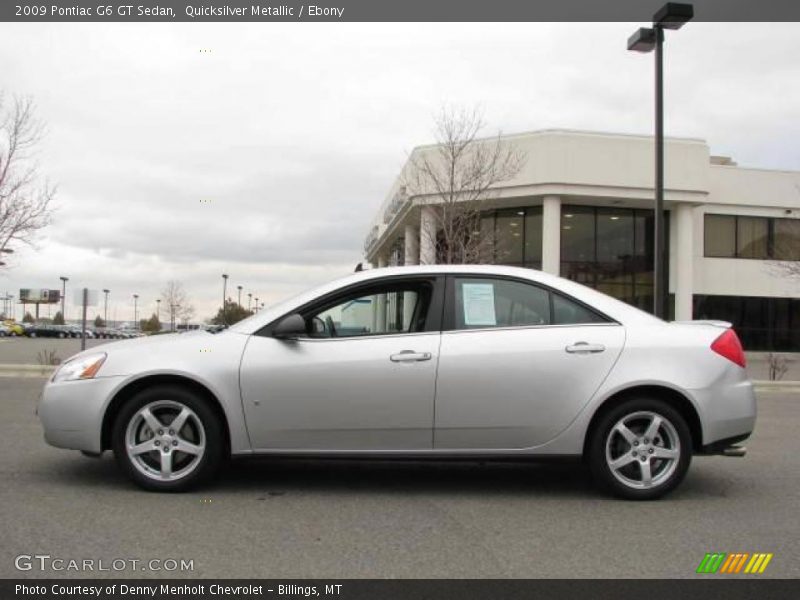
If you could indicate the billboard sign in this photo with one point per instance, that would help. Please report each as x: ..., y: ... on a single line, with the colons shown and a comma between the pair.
x: 39, y: 296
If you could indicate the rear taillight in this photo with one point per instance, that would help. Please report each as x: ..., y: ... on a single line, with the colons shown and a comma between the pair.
x: 729, y: 346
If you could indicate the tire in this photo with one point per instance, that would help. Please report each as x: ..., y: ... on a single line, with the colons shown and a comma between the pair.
x: 200, y: 434
x: 621, y: 444
x: 62, y: 335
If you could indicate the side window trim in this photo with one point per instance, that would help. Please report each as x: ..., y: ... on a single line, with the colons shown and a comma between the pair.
x: 433, y: 322
x: 449, y: 318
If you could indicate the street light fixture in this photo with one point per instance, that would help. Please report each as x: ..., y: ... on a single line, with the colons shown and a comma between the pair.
x: 64, y: 281
x: 224, y: 296
x: 239, y: 302
x: 158, y: 311
x: 672, y: 15
x: 249, y: 301
x: 256, y: 303
x: 135, y: 311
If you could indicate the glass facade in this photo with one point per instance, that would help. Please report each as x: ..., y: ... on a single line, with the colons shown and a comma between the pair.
x: 763, y: 238
x: 763, y: 324
x: 611, y: 250
x: 513, y: 237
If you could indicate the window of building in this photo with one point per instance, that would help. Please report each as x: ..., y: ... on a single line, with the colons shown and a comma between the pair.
x: 739, y: 236
x: 720, y: 236
x: 752, y: 237
x: 762, y: 324
x: 609, y: 249
x: 578, y: 234
x: 512, y: 237
x: 509, y: 236
x: 786, y: 245
x: 533, y: 237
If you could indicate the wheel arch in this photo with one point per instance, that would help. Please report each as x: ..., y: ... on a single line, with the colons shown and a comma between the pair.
x: 135, y: 386
x: 671, y: 396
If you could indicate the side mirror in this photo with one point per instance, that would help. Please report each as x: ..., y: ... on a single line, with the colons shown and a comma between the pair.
x: 289, y: 327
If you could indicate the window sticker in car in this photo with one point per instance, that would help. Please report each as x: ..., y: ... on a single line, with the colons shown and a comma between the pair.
x: 478, y: 300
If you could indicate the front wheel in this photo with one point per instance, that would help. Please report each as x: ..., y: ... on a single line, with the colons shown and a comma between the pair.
x: 641, y: 449
x: 167, y: 438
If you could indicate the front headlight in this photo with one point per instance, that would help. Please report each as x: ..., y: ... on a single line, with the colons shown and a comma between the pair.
x: 84, y: 367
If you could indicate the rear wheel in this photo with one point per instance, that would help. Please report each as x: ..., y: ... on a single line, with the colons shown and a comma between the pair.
x: 167, y: 438
x: 641, y: 449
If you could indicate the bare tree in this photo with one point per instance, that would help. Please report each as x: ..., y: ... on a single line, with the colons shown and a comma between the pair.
x: 176, y: 300
x: 455, y: 177
x: 25, y: 201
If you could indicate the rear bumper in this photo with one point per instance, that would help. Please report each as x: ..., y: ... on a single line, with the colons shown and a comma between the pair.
x: 728, y: 413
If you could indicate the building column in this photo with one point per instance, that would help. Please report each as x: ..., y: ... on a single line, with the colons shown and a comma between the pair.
x: 427, y: 236
x: 379, y: 301
x: 411, y: 244
x: 684, y: 261
x: 551, y: 235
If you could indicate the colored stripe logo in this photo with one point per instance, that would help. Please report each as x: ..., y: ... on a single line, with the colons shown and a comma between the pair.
x: 735, y: 562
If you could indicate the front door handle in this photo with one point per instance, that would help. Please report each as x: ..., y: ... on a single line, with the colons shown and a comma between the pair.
x: 410, y: 356
x: 585, y: 348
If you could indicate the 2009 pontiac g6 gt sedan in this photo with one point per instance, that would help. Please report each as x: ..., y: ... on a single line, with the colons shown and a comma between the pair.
x: 422, y: 362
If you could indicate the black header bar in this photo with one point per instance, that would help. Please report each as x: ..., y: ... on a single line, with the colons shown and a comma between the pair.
x: 169, y: 11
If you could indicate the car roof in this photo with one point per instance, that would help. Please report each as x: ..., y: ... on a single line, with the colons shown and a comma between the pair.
x: 616, y: 309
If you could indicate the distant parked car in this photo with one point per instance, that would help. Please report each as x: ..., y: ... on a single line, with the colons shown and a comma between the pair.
x: 14, y: 328
x: 4, y: 331
x: 48, y: 331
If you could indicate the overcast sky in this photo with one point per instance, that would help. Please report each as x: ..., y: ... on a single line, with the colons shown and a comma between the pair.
x: 267, y: 156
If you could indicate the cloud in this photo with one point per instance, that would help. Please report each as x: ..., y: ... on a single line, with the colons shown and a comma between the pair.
x: 267, y: 157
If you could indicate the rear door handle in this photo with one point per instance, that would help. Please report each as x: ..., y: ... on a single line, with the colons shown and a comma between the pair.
x: 410, y: 356
x: 584, y: 348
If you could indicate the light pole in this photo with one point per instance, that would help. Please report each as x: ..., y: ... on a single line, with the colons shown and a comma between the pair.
x: 158, y: 311
x: 239, y: 302
x: 224, y: 296
x: 135, y: 311
x: 249, y: 301
x: 64, y: 281
x: 173, y: 308
x: 672, y: 15
x: 105, y: 307
x: 256, y: 303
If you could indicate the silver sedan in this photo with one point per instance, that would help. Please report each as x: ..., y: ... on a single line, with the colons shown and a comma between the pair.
x: 426, y: 362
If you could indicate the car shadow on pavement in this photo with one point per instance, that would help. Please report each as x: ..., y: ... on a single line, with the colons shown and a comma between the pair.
x: 282, y: 476
x: 287, y: 476
x: 272, y: 477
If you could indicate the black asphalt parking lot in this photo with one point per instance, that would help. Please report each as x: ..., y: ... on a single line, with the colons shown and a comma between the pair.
x: 304, y: 518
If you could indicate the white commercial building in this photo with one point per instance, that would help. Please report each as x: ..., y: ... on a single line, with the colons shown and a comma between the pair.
x: 581, y: 207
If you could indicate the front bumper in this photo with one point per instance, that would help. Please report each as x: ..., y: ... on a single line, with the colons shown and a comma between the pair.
x: 71, y: 412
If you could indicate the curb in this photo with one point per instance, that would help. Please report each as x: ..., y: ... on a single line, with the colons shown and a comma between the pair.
x: 26, y: 370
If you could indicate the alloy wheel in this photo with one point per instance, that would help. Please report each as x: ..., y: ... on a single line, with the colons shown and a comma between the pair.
x: 643, y: 450
x: 165, y: 440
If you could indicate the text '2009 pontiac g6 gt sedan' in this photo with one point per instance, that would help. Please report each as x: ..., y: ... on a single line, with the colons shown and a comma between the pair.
x: 431, y: 362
